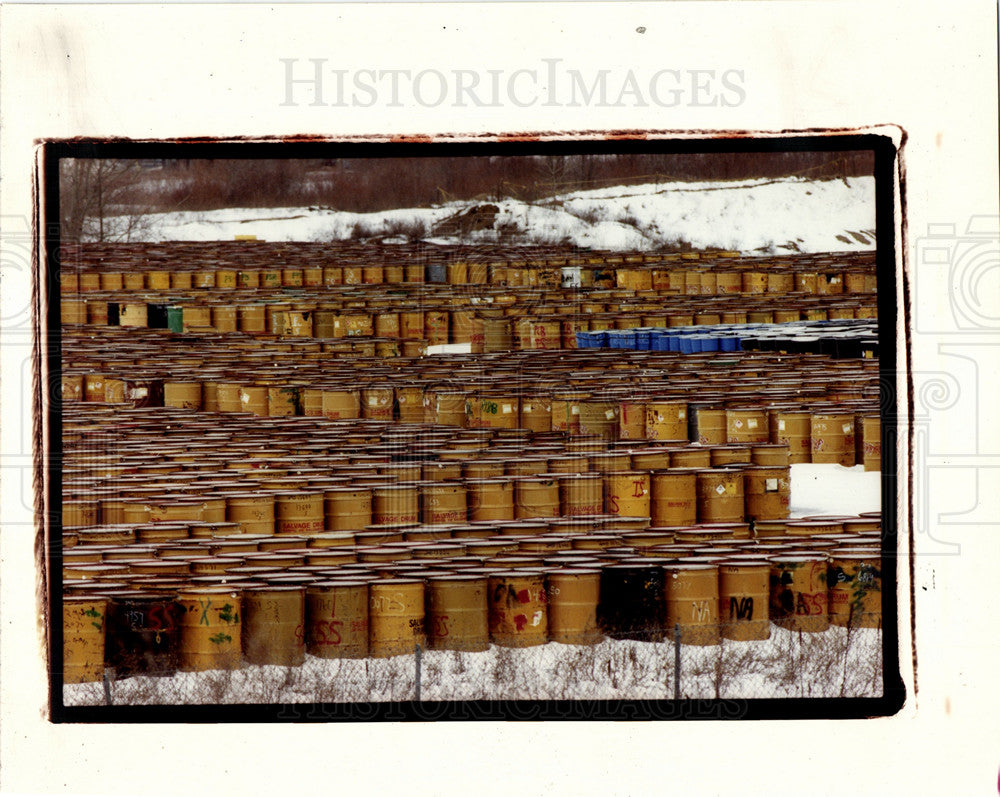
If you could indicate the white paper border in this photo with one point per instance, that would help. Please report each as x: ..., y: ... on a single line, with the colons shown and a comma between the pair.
x: 211, y: 70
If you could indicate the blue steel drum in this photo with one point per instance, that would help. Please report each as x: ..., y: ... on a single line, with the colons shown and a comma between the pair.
x: 708, y: 343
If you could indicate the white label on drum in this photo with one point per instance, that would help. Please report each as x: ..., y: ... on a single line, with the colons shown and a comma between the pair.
x: 571, y: 276
x: 848, y: 428
x: 507, y: 409
x: 771, y: 485
x: 751, y: 423
x: 574, y: 411
x: 781, y: 426
x: 738, y: 423
x: 536, y: 619
x: 609, y: 414
x: 373, y: 401
x: 720, y: 489
x: 527, y: 408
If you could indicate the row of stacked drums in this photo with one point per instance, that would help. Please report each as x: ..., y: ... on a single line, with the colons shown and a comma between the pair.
x: 513, y: 322
x: 675, y: 496
x: 857, y: 337
x: 734, y: 589
x: 672, y: 486
x: 846, y: 431
x: 228, y: 265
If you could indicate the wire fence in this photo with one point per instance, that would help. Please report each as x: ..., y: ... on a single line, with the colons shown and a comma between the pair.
x: 838, y: 662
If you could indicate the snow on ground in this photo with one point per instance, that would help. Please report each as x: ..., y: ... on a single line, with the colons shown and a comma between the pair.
x: 752, y: 215
x: 834, y: 490
x: 764, y: 216
x: 829, y: 664
x: 280, y: 224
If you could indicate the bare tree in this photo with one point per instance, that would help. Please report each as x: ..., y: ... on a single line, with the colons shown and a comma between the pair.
x: 552, y: 170
x: 98, y: 199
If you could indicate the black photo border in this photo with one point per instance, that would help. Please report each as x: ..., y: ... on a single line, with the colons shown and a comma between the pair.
x: 888, y: 172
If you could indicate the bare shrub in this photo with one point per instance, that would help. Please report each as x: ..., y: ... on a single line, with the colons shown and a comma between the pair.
x: 413, y: 229
x: 591, y: 215
x: 629, y: 219
x: 362, y: 230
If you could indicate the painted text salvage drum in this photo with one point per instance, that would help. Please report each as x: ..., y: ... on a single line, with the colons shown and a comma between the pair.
x: 143, y: 637
x: 253, y: 511
x: 692, y: 597
x: 666, y: 420
x: 299, y: 513
x: 581, y: 494
x: 518, y: 605
x: 395, y: 617
x: 707, y: 425
x: 443, y: 502
x: 855, y: 589
x: 799, y: 592
x: 347, y: 508
x: 536, y: 496
x: 626, y: 493
x: 872, y: 442
x: 337, y: 619
x: 83, y: 638
x: 573, y: 597
x: 673, y: 497
x: 747, y: 425
x: 274, y: 625
x: 743, y: 599
x: 490, y: 499
x: 599, y: 418
x: 767, y: 492
x: 833, y: 438
x: 720, y: 496
x: 210, y: 624
x: 396, y: 504
x: 457, y: 613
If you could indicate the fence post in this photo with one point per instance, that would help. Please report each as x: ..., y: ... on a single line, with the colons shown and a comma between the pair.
x: 417, y: 676
x: 677, y: 661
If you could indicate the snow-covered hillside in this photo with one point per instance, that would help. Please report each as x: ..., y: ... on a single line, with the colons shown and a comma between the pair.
x: 761, y: 216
